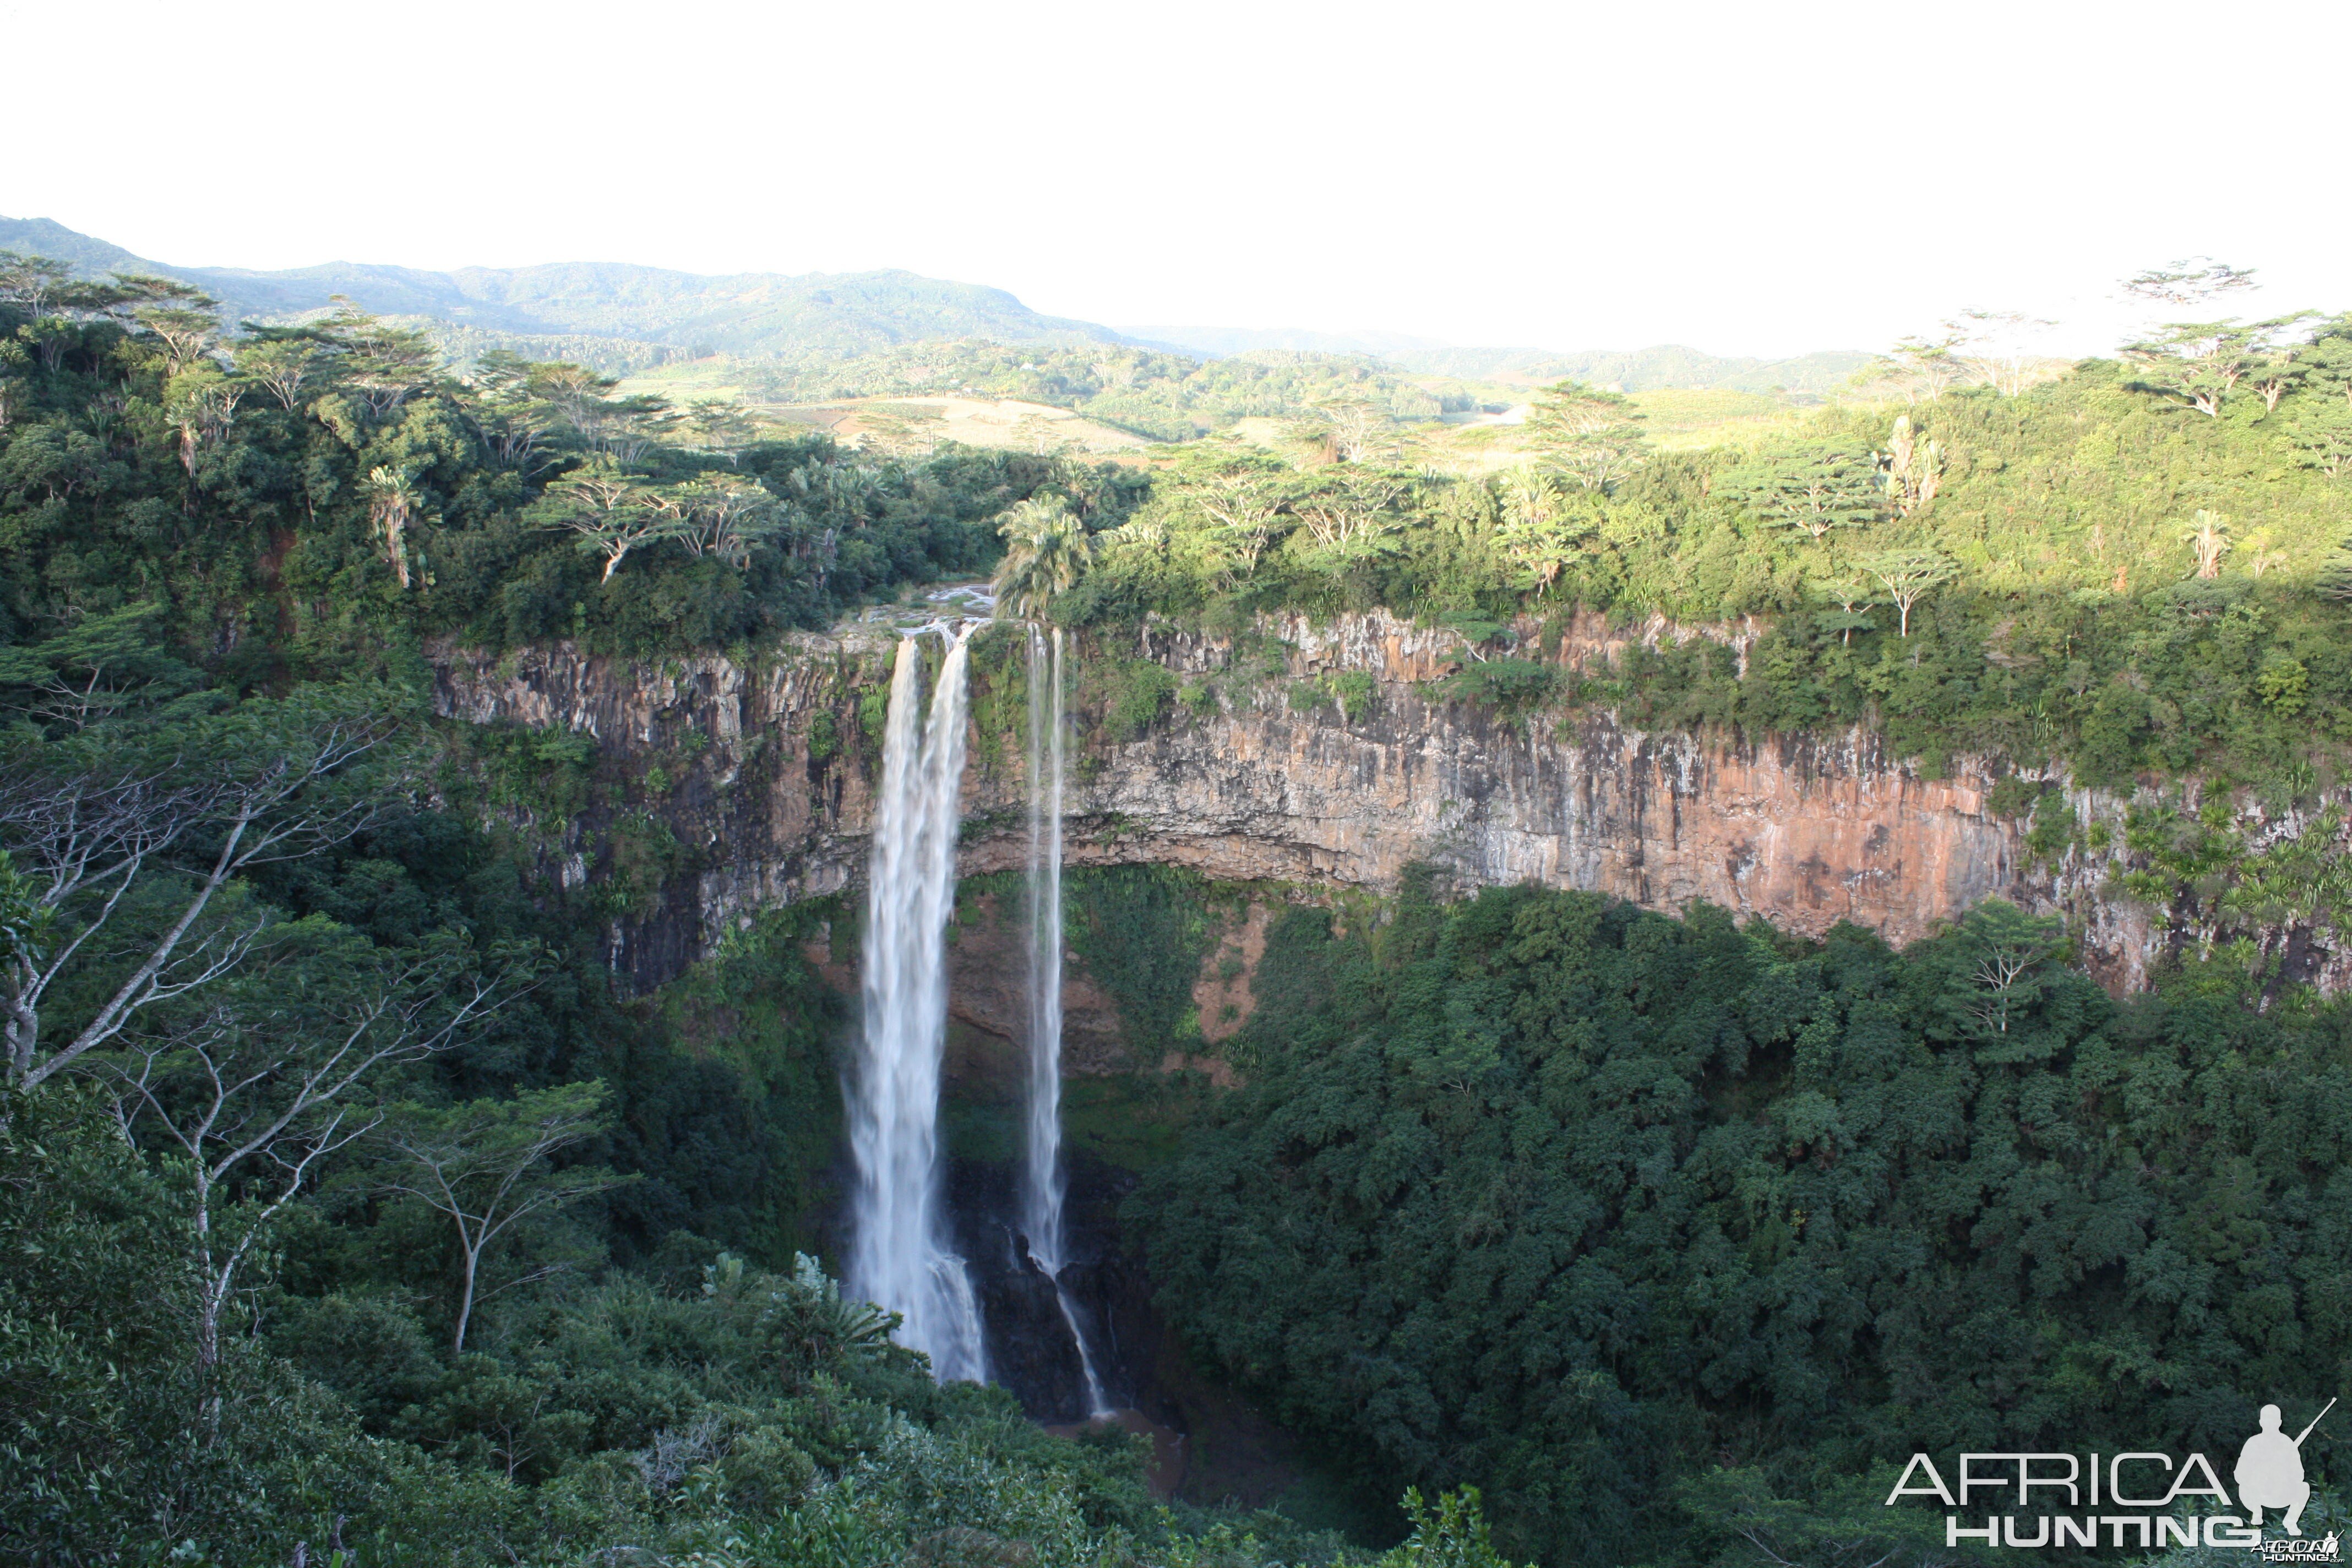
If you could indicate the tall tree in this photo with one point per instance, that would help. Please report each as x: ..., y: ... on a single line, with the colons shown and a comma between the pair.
x: 723, y: 516
x: 1047, y: 550
x: 721, y: 425
x: 2197, y: 363
x: 2278, y: 362
x: 484, y: 1165
x: 393, y: 502
x: 99, y: 666
x: 1922, y: 368
x: 610, y: 512
x: 188, y: 328
x: 1355, y: 426
x: 382, y: 364
x: 265, y: 1078
x: 1349, y: 519
x: 200, y: 403
x: 1909, y: 576
x: 518, y: 425
x: 282, y: 367
x: 1998, y: 348
x: 1914, y: 470
x: 1248, y: 507
x: 2321, y: 425
x: 2207, y: 534
x: 1816, y: 487
x: 1542, y: 530
x: 2000, y: 965
x: 1592, y: 436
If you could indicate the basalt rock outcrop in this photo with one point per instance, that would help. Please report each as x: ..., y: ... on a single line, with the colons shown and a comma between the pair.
x: 767, y: 769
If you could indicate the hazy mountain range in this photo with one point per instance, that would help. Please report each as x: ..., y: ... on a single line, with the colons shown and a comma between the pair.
x: 756, y: 315
x: 629, y: 316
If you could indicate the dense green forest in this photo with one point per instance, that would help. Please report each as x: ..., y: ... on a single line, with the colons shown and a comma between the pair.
x: 349, y: 1202
x: 1599, y: 1209
x: 325, y: 494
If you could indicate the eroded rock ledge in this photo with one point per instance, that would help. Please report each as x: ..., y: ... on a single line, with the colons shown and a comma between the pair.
x: 1802, y: 830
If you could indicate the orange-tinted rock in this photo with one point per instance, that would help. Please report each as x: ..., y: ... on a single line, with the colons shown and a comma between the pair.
x: 1801, y: 830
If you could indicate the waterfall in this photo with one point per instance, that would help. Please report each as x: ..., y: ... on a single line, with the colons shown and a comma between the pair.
x: 900, y: 1257
x: 1044, y: 1182
x: 1041, y: 1186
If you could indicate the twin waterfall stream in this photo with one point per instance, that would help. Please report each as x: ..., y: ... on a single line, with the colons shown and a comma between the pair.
x: 1043, y: 1179
x: 901, y: 1254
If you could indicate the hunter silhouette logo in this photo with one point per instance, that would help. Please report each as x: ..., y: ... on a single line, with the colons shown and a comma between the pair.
x: 2140, y: 1499
x: 2270, y: 1471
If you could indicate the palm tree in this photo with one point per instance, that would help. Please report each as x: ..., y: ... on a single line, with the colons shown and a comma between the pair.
x: 1540, y: 532
x: 393, y: 500
x: 2208, y: 535
x: 1046, y: 551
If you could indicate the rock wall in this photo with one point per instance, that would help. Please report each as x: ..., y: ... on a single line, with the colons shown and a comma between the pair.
x: 771, y: 774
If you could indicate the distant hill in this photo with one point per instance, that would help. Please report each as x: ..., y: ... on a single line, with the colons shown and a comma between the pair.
x: 1223, y: 342
x: 1639, y: 370
x: 44, y: 237
x: 623, y: 317
x: 814, y: 316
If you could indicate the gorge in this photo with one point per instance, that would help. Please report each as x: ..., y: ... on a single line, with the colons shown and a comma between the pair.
x: 1280, y: 793
x: 593, y: 979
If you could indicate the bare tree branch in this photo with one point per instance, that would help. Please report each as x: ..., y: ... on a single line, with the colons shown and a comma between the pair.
x: 263, y: 1084
x: 90, y: 826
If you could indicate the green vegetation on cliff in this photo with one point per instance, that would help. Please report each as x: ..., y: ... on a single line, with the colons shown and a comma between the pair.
x: 2101, y: 569
x: 351, y: 1209
x: 2084, y: 571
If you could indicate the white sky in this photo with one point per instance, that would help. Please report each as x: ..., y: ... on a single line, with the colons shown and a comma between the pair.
x: 1748, y: 177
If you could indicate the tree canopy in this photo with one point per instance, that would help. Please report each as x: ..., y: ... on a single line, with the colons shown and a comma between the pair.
x: 1567, y: 1199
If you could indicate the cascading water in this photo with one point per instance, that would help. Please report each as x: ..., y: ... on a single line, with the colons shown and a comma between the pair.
x: 1042, y: 1180
x: 900, y: 1256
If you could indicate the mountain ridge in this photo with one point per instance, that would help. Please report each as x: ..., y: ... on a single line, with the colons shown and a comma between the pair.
x: 647, y: 314
x: 788, y: 316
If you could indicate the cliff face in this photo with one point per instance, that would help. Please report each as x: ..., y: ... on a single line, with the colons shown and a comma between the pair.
x: 770, y: 792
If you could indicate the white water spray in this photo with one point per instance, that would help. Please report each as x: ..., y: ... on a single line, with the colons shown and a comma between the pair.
x: 900, y: 1257
x: 1042, y: 1180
